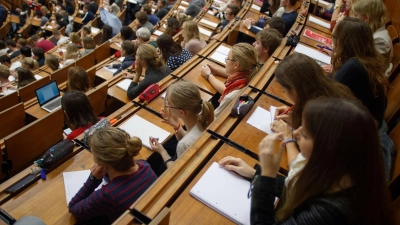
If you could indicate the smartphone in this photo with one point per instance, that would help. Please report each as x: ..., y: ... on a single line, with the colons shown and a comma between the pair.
x: 67, y: 131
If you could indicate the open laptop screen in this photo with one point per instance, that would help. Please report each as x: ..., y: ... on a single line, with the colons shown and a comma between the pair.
x: 47, y: 93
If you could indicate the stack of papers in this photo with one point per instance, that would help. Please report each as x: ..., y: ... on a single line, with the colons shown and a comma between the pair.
x: 205, y: 32
x: 124, y: 85
x: 313, y: 53
x: 207, y: 22
x: 320, y: 22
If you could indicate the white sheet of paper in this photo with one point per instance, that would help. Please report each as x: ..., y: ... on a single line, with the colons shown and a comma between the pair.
x: 319, y: 22
x: 207, y: 22
x: 124, y: 84
x: 223, y: 49
x: 118, y: 44
x: 258, y: 28
x: 218, y: 57
x: 272, y: 111
x: 143, y: 129
x: 323, y: 2
x: 181, y: 7
x: 256, y: 7
x: 165, y: 26
x: 38, y: 77
x: 61, y: 65
x: 11, y: 78
x: 164, y: 94
x: 50, y: 27
x: 158, y: 33
x: 205, y: 32
x: 111, y: 70
x: 80, y: 11
x: 313, y: 53
x: 184, y: 3
x: 261, y: 119
x: 210, y: 12
x: 132, y: 1
x: 120, y: 59
x: 73, y: 181
x: 15, y: 65
x: 95, y: 30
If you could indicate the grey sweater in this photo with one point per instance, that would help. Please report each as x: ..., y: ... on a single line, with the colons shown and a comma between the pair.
x: 151, y: 76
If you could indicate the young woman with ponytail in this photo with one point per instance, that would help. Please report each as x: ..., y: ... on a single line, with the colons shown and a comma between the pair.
x: 113, y: 153
x: 183, y: 101
x: 241, y: 67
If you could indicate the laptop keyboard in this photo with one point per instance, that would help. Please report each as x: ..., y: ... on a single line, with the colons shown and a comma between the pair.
x: 54, y: 104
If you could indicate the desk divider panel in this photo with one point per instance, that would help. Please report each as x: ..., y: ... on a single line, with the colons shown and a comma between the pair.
x: 28, y: 92
x: 8, y: 101
x: 98, y: 98
x: 31, y: 142
x: 12, y: 119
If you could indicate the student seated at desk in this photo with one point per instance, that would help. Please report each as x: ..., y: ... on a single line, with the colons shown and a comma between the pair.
x: 5, y: 60
x: 193, y: 8
x: 60, y: 21
x: 273, y: 7
x: 373, y: 12
x: 183, y: 101
x: 88, y: 15
x: 78, y: 112
x: 267, y: 41
x: 45, y: 12
x: 6, y: 87
x: 231, y: 11
x: 107, y: 33
x: 38, y: 55
x: 143, y: 22
x: 302, y: 80
x: 147, y: 58
x: 78, y: 79
x: 113, y: 153
x: 172, y: 53
x: 143, y: 37
x: 274, y: 22
x: 42, y: 18
x: 46, y: 45
x: 75, y: 38
x: 29, y: 63
x: 3, y: 48
x: 25, y: 77
x: 162, y: 9
x: 172, y: 26
x: 128, y: 50
x: 182, y: 17
x: 220, y: 13
x: 358, y: 65
x: 192, y: 41
x: 71, y: 55
x: 93, y: 6
x: 52, y: 62
x: 61, y: 39
x: 21, y: 42
x: 88, y: 44
x: 86, y: 31
x: 127, y: 34
x: 333, y: 187
x: 69, y: 7
x: 14, y: 50
x: 25, y: 51
x: 242, y: 66
x: 153, y: 19
x: 110, y: 19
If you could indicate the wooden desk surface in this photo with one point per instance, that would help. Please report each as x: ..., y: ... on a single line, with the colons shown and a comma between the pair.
x: 275, y: 89
x: 318, y: 27
x: 195, y: 77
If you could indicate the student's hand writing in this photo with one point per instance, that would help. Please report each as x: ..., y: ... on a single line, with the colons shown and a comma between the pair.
x: 285, y: 117
x: 98, y: 171
x: 247, y: 23
x: 279, y: 126
x: 324, y: 50
x: 169, y: 118
x: 252, y: 21
x: 269, y: 161
x: 327, y: 68
x: 155, y: 145
x: 205, y: 69
x: 237, y: 165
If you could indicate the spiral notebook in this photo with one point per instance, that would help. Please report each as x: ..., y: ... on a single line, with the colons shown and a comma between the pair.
x: 224, y: 192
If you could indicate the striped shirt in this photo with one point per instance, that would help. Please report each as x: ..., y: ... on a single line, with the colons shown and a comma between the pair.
x: 115, y: 197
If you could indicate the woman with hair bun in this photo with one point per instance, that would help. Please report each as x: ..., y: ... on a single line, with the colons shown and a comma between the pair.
x: 183, y: 101
x: 113, y: 153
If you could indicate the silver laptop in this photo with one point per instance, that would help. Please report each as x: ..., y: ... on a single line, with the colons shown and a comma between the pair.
x: 49, y: 97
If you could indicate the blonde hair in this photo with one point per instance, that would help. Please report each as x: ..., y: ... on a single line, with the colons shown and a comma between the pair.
x: 87, y: 29
x: 115, y: 148
x: 191, y: 31
x: 30, y: 63
x: 182, y: 17
x: 74, y: 37
x: 4, y: 71
x: 72, y: 51
x: 52, y: 62
x: 186, y: 96
x: 88, y: 43
x: 149, y: 54
x: 376, y: 11
x: 246, y: 55
x: 44, y: 10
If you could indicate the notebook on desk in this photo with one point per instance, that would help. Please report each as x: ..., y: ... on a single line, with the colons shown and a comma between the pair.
x: 49, y: 97
x: 143, y: 129
x: 124, y: 84
x: 224, y: 192
x: 318, y: 56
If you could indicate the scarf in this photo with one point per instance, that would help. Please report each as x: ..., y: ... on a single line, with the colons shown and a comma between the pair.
x: 234, y: 82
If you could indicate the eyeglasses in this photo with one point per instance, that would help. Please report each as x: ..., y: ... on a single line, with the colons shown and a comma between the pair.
x: 226, y: 59
x: 171, y: 107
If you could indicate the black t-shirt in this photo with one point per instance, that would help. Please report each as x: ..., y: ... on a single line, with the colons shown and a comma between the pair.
x: 62, y: 23
x: 93, y: 7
